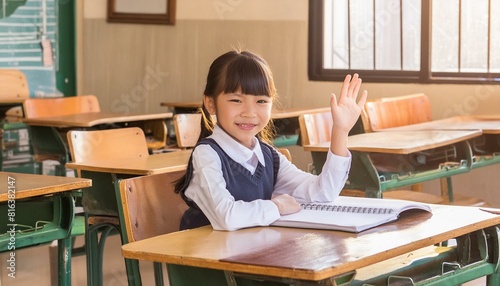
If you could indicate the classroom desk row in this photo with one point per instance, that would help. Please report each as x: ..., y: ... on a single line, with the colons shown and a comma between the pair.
x: 48, y: 134
x: 485, y: 148
x: 411, y: 154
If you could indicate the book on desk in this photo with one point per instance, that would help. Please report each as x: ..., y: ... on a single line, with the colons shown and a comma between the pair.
x: 351, y: 214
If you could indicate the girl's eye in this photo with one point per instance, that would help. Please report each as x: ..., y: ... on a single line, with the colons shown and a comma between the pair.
x: 263, y: 101
x: 235, y: 100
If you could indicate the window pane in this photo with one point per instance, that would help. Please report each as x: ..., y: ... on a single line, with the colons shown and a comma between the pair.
x: 336, y: 55
x: 444, y: 36
x: 328, y: 49
x: 388, y: 35
x: 474, y: 36
x: 495, y: 37
x: 411, y: 34
x: 362, y: 38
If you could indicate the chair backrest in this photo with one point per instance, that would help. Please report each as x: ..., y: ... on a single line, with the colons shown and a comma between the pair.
x: 13, y: 84
x: 315, y: 128
x: 187, y: 129
x: 58, y: 106
x: 120, y: 143
x: 150, y: 206
x: 396, y: 111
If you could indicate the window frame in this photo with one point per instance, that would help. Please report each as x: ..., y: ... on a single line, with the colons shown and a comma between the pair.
x: 316, y: 72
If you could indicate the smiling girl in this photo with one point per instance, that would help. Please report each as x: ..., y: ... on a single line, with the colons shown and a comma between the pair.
x: 235, y: 177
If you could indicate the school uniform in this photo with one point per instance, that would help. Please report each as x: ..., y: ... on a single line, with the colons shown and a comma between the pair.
x: 231, y: 185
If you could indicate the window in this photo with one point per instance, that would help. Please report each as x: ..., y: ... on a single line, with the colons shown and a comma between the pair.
x: 425, y: 41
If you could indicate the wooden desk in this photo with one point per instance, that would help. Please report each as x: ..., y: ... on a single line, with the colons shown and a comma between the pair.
x: 101, y: 199
x: 485, y: 149
x: 92, y: 119
x: 388, y: 160
x: 329, y: 257
x: 489, y: 124
x: 40, y: 209
x: 153, y: 164
x: 30, y: 185
x: 48, y: 134
x: 402, y: 142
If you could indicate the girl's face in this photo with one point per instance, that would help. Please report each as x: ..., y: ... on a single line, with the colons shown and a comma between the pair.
x: 242, y: 116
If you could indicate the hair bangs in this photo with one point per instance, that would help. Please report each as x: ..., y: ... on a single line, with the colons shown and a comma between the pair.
x: 247, y: 75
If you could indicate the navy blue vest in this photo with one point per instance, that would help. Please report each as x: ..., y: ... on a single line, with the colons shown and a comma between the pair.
x: 239, y: 181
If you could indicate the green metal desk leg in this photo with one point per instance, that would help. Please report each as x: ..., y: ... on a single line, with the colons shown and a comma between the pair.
x: 158, y: 271
x: 64, y: 260
x: 494, y: 235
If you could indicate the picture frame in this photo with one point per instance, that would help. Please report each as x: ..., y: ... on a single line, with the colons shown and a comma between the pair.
x: 142, y: 12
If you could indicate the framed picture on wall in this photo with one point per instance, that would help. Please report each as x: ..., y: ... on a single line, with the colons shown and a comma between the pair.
x: 142, y: 12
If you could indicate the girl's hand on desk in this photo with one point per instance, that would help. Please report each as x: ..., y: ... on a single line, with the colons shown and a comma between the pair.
x: 345, y: 110
x: 286, y: 204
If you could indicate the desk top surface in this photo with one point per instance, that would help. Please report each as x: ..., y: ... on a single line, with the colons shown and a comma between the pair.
x: 30, y: 185
x: 90, y: 119
x: 400, y: 142
x: 489, y: 124
x: 152, y: 164
x: 309, y: 254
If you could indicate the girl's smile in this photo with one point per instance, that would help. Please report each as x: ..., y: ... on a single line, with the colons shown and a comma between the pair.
x: 242, y: 116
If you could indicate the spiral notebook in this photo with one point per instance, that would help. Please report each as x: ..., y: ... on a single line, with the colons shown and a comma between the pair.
x: 351, y: 214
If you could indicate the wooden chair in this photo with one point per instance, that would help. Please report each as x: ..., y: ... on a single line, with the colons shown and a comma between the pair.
x: 316, y: 128
x: 13, y: 84
x: 396, y: 111
x: 55, y: 148
x: 88, y: 146
x: 187, y: 129
x: 149, y: 207
x: 403, y: 110
x: 388, y: 112
x: 59, y: 106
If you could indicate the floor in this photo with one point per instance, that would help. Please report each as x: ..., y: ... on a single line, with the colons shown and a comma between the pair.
x: 33, y: 268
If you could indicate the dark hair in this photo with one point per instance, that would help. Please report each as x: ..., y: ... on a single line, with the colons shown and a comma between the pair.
x: 231, y: 72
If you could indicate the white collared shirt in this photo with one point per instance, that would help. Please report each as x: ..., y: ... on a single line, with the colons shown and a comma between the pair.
x: 208, y: 187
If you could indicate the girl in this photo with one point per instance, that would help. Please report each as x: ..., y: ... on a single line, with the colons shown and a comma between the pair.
x: 235, y: 178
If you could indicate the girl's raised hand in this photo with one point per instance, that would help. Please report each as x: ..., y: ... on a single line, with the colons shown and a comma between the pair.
x: 345, y: 110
